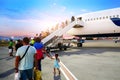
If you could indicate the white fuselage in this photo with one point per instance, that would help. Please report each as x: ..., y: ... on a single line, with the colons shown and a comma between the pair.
x: 97, y: 23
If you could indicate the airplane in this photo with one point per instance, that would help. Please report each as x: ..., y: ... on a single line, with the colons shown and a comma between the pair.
x: 104, y: 23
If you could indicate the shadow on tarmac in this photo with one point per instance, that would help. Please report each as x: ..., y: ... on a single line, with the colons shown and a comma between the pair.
x: 58, y: 77
x: 7, y: 73
x: 88, y: 50
x: 7, y: 58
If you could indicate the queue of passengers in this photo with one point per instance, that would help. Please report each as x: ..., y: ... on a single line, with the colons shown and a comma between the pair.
x: 29, y: 54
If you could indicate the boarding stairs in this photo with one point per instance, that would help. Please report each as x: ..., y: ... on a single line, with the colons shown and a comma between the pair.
x: 58, y: 33
x: 54, y: 42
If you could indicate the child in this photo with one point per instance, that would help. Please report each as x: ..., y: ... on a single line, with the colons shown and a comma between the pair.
x: 56, y: 64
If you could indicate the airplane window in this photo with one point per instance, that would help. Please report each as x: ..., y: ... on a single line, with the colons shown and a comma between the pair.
x: 117, y: 16
x: 106, y: 16
x: 113, y: 16
x: 100, y: 18
x: 110, y: 16
x: 103, y: 17
x: 80, y: 18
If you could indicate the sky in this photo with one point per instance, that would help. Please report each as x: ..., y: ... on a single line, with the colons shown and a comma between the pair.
x: 28, y: 17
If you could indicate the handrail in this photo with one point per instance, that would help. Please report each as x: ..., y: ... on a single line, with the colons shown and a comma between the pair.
x: 61, y: 31
x: 46, y: 39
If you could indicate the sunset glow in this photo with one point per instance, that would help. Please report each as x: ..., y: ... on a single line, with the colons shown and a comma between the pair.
x: 29, y: 17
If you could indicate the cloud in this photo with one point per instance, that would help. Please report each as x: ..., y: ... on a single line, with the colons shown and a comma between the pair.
x: 72, y: 13
x: 34, y: 20
x: 84, y: 10
x: 63, y: 8
x: 30, y: 25
x: 54, y: 4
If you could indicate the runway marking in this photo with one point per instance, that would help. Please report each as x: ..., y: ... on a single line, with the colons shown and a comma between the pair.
x: 66, y: 72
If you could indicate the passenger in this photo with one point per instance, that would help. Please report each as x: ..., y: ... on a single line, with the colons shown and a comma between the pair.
x: 56, y: 64
x: 40, y: 51
x: 11, y: 47
x: 60, y: 45
x: 32, y: 42
x: 25, y: 62
x: 72, y: 18
x: 18, y: 44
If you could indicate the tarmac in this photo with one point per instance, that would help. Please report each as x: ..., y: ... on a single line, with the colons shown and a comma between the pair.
x: 96, y: 60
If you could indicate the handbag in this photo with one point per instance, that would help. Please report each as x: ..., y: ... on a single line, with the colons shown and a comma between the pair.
x: 37, y: 74
x: 17, y: 76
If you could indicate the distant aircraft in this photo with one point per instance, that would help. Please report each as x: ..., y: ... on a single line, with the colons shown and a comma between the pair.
x: 105, y: 23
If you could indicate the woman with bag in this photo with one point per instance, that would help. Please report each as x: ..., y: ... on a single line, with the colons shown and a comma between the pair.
x: 40, y: 51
